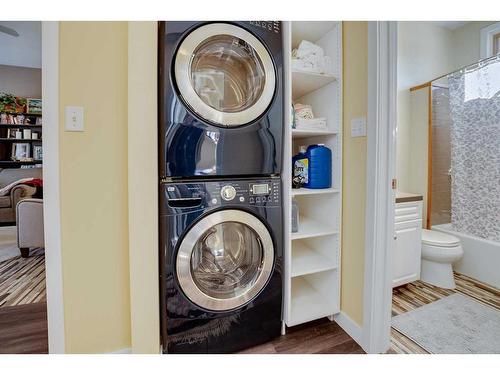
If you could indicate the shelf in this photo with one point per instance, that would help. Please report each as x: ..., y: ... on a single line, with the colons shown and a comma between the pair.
x: 307, y: 303
x: 311, y: 31
x: 306, y: 261
x: 304, y: 191
x: 23, y: 114
x: 20, y: 126
x: 312, y: 228
x: 19, y: 140
x: 303, y: 133
x: 14, y: 163
x: 304, y: 83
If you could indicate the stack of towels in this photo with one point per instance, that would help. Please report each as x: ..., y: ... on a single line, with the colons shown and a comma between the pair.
x: 309, y: 57
x: 304, y: 118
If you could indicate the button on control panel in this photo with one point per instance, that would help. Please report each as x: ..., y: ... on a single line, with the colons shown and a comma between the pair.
x: 228, y: 192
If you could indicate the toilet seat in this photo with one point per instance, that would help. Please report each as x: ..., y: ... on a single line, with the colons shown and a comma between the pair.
x: 439, y: 239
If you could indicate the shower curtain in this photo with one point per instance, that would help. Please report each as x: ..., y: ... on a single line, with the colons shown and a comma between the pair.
x: 475, y: 149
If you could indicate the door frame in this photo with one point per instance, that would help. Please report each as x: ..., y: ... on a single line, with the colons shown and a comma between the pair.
x: 380, y: 195
x: 51, y: 189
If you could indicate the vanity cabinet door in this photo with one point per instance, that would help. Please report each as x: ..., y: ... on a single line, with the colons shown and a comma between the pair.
x: 407, y: 252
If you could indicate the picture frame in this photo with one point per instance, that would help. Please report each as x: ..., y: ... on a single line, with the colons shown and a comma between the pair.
x: 38, y: 152
x: 11, y: 133
x: 20, y: 151
x: 34, y: 106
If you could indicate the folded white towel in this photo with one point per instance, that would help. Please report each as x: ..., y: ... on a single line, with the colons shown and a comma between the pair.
x: 309, y: 57
x: 307, y: 48
x: 310, y: 124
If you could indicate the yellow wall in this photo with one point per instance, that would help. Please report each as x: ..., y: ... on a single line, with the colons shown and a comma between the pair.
x: 94, y: 195
x: 355, y: 75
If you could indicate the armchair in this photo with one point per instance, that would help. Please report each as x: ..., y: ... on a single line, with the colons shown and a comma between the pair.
x: 29, y: 225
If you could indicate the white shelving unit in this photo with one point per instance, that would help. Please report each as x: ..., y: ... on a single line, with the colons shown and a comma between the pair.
x: 312, y: 255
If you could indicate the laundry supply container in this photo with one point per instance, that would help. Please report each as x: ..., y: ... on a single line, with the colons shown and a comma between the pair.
x: 320, y: 167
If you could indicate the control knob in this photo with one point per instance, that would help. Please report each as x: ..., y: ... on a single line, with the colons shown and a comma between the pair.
x: 228, y: 192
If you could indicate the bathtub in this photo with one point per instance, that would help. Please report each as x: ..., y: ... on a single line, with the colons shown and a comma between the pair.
x: 481, y: 257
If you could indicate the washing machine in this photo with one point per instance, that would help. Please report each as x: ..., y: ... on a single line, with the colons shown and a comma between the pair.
x: 220, y: 99
x: 221, y: 264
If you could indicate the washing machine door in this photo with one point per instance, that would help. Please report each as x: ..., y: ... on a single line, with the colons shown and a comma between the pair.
x: 225, y: 74
x: 225, y: 260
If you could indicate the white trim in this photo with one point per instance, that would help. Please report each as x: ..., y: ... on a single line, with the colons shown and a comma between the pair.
x: 351, y: 327
x: 487, y: 34
x: 51, y: 193
x: 143, y: 186
x: 121, y: 351
x: 380, y: 199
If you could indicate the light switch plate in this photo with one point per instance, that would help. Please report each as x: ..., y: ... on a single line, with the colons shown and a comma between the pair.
x: 74, y: 119
x: 358, y: 127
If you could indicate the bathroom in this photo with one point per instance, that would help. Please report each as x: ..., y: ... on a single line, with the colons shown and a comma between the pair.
x: 447, y: 219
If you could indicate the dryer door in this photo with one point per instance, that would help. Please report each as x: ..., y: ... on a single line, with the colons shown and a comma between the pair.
x: 225, y: 260
x: 225, y: 74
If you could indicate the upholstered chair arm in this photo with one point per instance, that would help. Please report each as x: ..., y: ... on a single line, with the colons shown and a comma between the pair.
x: 20, y: 192
x: 29, y: 214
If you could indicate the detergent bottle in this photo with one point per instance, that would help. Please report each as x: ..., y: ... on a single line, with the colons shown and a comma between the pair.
x: 300, y: 168
x: 320, y: 167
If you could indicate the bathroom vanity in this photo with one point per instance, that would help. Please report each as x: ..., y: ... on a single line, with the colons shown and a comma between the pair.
x: 408, y: 234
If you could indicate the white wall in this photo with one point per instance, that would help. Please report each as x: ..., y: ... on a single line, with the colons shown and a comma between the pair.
x: 425, y: 51
x: 467, y: 43
x: 24, y: 50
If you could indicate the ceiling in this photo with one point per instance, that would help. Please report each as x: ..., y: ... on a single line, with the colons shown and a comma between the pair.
x: 26, y: 49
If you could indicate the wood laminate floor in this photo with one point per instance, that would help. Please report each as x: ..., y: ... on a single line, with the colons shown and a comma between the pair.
x: 23, y: 311
x: 411, y: 296
x: 318, y: 337
x: 23, y: 329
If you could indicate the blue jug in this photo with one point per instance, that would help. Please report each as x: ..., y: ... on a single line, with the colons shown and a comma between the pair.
x: 320, y: 167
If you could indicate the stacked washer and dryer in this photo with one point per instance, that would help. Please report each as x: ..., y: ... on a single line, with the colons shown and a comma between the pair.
x: 220, y: 159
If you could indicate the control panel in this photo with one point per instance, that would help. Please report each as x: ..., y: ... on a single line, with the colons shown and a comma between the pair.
x: 273, y: 26
x: 266, y: 192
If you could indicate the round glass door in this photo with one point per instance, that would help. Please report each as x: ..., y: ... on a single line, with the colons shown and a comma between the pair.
x: 225, y: 260
x: 225, y: 74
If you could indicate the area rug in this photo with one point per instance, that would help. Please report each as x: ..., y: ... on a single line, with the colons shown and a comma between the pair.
x: 8, y: 243
x: 452, y: 325
x: 22, y: 280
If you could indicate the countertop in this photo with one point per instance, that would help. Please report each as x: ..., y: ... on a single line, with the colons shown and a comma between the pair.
x: 402, y: 197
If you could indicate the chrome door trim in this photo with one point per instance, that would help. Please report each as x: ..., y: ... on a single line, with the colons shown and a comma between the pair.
x: 183, y: 261
x: 183, y: 75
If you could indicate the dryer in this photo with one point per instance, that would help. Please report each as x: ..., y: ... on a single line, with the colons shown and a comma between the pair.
x: 221, y: 264
x: 220, y: 99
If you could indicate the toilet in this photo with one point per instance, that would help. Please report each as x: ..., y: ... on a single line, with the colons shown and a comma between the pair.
x: 439, y: 252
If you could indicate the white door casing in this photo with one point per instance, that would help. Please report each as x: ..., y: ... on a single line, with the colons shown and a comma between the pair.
x: 380, y: 198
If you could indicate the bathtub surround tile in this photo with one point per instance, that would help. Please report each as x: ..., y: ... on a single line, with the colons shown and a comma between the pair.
x: 417, y: 294
x: 475, y: 150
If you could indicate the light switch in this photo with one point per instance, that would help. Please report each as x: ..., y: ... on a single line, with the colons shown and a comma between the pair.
x: 358, y: 127
x: 74, y: 119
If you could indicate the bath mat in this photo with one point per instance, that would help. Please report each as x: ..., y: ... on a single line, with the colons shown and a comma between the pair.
x: 452, y: 325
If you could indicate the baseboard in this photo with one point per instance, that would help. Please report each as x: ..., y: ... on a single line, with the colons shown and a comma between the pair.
x: 122, y: 351
x: 351, y: 327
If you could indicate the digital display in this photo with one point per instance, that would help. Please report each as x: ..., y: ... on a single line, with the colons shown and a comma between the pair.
x: 260, y: 189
